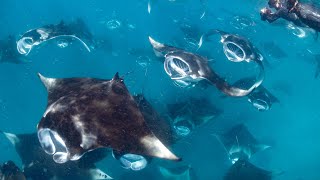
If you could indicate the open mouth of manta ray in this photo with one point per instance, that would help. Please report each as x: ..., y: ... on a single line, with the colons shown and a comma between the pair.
x: 176, y: 68
x: 133, y: 161
x: 53, y: 144
x: 25, y: 45
x: 179, y: 71
x: 234, y: 52
x: 260, y: 104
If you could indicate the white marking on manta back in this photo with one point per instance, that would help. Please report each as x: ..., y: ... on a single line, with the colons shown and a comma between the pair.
x: 87, y: 139
x: 54, y: 107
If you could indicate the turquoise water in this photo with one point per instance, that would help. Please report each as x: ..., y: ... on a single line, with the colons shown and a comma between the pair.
x: 291, y: 127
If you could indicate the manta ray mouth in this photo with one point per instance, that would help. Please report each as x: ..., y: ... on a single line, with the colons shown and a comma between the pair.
x: 234, y: 51
x: 25, y: 45
x: 260, y: 104
x: 133, y: 161
x: 53, y: 144
x: 176, y: 67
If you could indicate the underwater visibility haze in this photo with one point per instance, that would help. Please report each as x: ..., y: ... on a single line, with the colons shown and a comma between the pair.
x: 160, y: 89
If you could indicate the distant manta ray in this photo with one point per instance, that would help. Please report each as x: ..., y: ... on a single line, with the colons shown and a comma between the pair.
x: 38, y: 165
x: 84, y: 114
x: 239, y: 143
x: 244, y: 170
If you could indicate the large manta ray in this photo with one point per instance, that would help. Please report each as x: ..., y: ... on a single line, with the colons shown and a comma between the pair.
x: 38, y: 165
x: 186, y: 68
x: 240, y: 143
x: 84, y: 114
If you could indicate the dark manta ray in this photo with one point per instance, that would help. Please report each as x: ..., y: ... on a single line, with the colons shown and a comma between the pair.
x: 184, y: 172
x: 187, y: 69
x: 64, y: 33
x: 84, y: 114
x: 244, y: 170
x: 240, y: 143
x: 8, y: 51
x: 38, y: 165
x: 191, y: 113
x: 260, y: 98
x: 9, y: 171
x: 273, y: 50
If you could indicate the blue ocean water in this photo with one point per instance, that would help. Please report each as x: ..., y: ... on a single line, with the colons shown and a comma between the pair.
x: 290, y: 127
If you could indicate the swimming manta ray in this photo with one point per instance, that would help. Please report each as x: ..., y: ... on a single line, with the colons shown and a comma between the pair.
x: 184, y: 172
x: 260, y: 98
x: 38, y: 165
x: 8, y: 51
x: 63, y: 33
x: 9, y: 171
x: 187, y: 69
x: 243, y: 169
x: 191, y: 113
x: 84, y: 114
x: 240, y: 143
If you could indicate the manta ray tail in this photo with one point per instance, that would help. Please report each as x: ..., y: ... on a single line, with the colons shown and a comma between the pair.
x: 204, y: 8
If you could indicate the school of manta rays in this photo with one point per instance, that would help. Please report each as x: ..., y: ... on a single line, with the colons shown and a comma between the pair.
x: 88, y: 119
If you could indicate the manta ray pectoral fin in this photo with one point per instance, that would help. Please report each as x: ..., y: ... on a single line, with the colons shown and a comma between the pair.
x: 49, y: 83
x: 262, y: 147
x: 155, y: 44
x: 155, y: 148
x: 98, y: 174
x: 14, y: 139
x: 116, y: 77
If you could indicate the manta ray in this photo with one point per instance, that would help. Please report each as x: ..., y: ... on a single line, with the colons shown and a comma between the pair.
x: 84, y: 114
x: 9, y: 171
x: 38, y: 165
x: 243, y: 169
x: 191, y: 113
x: 184, y: 172
x: 9, y: 53
x: 240, y: 143
x: 187, y: 69
x: 62, y: 32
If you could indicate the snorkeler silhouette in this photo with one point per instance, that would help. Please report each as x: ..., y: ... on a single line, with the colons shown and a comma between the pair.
x: 281, y: 12
x: 308, y: 13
